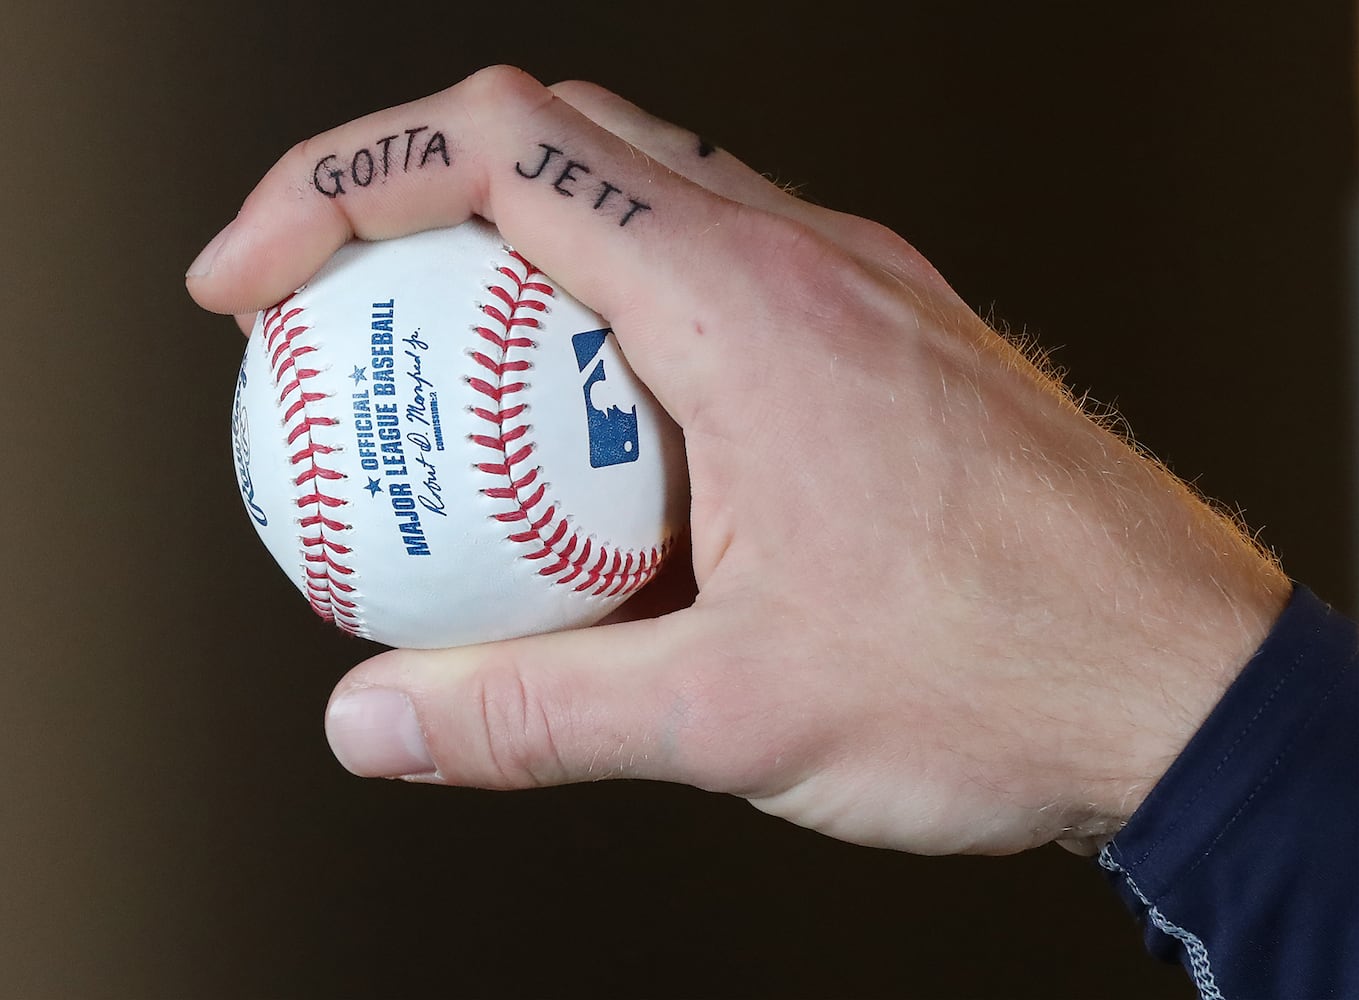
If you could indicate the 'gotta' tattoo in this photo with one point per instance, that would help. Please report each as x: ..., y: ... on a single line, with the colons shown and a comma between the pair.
x: 379, y: 162
x: 567, y: 177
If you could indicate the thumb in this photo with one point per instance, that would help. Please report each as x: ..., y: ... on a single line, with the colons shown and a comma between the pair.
x: 543, y: 710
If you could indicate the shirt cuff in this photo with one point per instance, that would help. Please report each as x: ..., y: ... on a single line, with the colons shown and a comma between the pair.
x: 1244, y: 859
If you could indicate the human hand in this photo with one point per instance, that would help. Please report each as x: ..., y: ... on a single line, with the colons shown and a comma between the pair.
x: 938, y: 607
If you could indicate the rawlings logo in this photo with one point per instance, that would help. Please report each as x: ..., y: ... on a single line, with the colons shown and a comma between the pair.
x: 240, y: 444
x: 612, y: 430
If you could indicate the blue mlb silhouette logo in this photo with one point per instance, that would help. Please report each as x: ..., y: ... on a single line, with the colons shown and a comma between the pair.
x: 613, y: 430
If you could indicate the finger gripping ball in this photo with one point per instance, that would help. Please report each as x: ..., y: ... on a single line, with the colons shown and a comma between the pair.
x: 440, y: 446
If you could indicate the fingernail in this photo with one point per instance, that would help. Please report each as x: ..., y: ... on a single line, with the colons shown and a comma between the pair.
x: 374, y: 733
x: 202, y: 264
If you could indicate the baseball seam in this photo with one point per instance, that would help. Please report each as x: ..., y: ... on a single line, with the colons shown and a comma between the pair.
x: 520, y: 298
x: 324, y: 562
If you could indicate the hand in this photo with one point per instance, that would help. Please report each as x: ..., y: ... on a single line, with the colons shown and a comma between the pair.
x: 938, y: 607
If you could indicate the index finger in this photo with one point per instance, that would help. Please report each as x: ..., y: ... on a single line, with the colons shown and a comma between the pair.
x: 630, y: 238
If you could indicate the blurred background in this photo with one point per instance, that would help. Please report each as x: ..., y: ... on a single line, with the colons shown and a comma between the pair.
x: 1160, y: 194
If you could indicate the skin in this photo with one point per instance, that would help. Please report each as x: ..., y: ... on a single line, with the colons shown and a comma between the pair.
x: 931, y: 605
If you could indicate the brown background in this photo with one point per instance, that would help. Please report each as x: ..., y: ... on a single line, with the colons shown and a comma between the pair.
x: 1158, y: 193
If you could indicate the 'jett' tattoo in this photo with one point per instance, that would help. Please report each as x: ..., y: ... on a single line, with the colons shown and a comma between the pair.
x: 570, y: 177
x: 378, y: 162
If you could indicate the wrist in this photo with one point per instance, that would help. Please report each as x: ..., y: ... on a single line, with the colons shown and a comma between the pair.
x: 1218, y: 609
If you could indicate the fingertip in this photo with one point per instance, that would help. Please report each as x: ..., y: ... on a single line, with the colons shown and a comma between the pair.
x: 375, y: 732
x: 275, y: 243
x: 207, y: 257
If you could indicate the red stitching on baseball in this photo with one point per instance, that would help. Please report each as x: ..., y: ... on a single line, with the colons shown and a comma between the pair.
x: 600, y: 570
x: 323, y: 554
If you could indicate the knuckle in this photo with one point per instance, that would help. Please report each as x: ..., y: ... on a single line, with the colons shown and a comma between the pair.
x: 872, y: 236
x: 519, y: 728
x: 737, y: 732
x: 884, y: 246
x: 581, y: 91
x: 301, y: 156
x: 503, y: 84
x: 816, y: 274
x: 797, y: 246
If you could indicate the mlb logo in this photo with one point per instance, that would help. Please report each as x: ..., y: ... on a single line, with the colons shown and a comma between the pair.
x: 612, y: 429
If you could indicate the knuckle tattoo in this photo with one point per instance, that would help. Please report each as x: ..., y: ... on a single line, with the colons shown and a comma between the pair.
x: 400, y: 153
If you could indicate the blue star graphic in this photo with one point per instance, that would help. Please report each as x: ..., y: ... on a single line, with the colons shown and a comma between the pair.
x: 374, y: 487
x: 359, y: 375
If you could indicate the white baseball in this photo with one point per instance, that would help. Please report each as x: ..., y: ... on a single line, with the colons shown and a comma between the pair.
x: 440, y: 446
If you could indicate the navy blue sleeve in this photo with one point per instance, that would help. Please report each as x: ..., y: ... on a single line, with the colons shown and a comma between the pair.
x: 1243, y: 862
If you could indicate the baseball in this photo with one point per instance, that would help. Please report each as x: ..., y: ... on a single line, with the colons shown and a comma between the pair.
x: 440, y: 446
